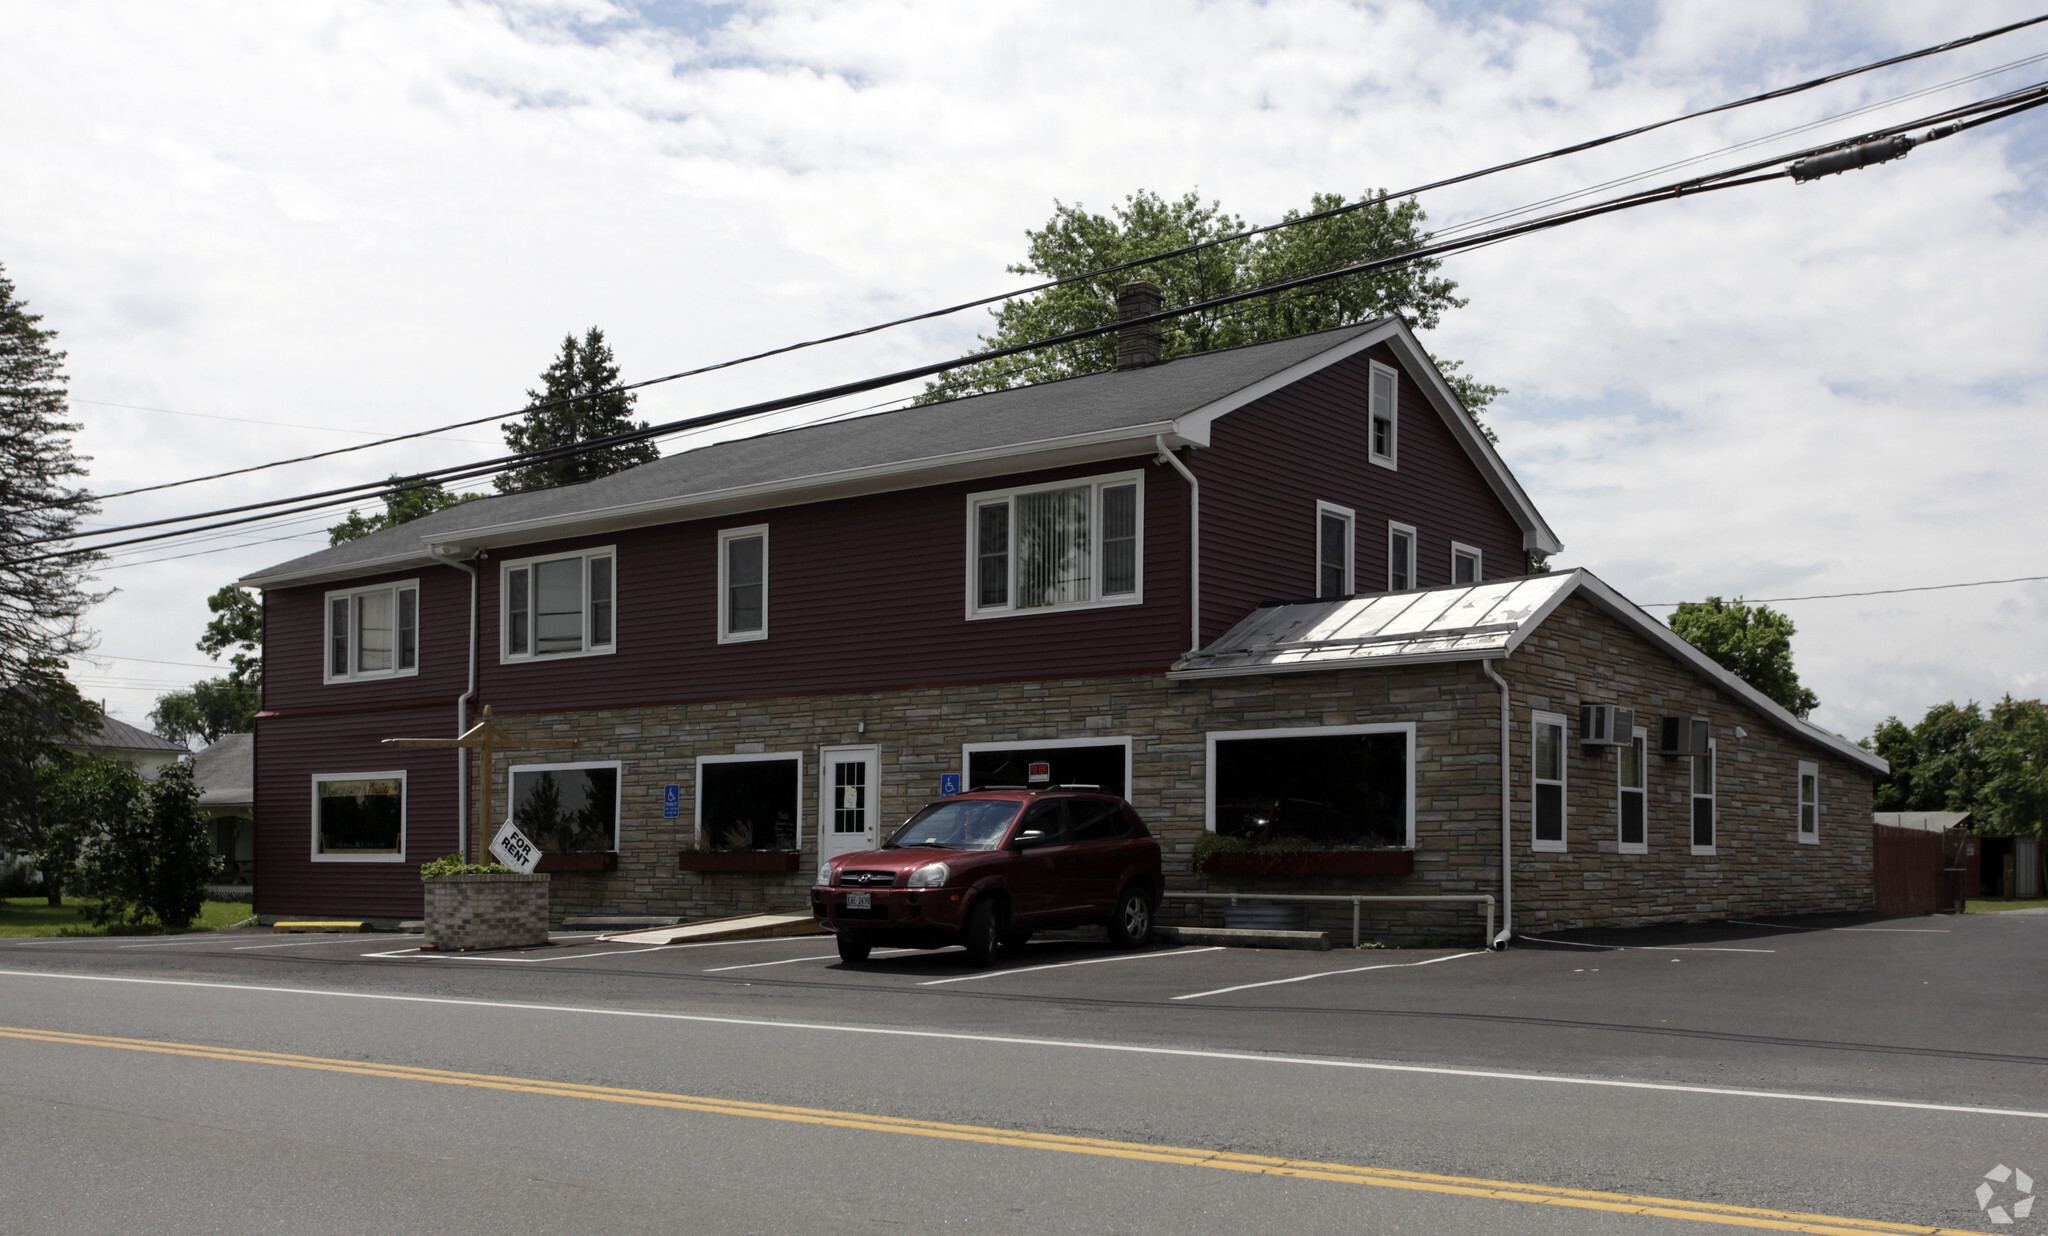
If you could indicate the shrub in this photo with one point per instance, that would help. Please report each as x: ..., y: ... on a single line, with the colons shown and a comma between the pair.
x: 452, y: 865
x: 141, y: 847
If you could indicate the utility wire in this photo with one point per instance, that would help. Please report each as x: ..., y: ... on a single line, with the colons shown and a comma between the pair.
x: 1152, y: 259
x: 1892, y: 138
x: 1875, y: 592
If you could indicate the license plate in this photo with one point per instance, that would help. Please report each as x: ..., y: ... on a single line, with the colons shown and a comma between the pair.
x: 860, y: 901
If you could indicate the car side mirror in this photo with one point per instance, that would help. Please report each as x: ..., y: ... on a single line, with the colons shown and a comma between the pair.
x: 1028, y: 839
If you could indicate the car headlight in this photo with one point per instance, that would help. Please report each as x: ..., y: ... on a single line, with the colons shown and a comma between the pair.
x: 931, y: 875
x: 825, y: 875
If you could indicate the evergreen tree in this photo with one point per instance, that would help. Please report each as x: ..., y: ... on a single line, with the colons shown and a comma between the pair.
x: 40, y: 710
x: 1753, y: 642
x: 401, y: 506
x: 42, y: 602
x: 576, y: 403
x: 1074, y: 241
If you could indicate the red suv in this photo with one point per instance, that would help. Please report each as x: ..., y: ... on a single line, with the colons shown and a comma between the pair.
x: 988, y: 868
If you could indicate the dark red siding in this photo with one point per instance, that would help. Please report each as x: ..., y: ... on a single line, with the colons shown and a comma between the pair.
x: 1268, y: 465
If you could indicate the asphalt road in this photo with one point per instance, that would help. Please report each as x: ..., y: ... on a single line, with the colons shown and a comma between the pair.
x: 1851, y: 1071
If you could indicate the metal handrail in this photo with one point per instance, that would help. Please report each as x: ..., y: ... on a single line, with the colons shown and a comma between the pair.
x: 1356, y: 938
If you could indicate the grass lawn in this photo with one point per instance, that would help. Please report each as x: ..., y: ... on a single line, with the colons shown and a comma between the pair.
x: 1994, y: 907
x: 33, y: 916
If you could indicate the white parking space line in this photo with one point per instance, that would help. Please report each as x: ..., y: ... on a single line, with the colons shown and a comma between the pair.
x: 788, y: 961
x: 1303, y: 978
x: 1131, y: 1049
x: 1061, y: 965
x: 243, y: 948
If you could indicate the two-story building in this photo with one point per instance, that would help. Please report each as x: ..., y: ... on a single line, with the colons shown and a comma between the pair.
x: 1278, y: 594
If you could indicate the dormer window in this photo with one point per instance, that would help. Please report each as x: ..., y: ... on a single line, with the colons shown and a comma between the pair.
x: 559, y: 606
x: 1383, y: 411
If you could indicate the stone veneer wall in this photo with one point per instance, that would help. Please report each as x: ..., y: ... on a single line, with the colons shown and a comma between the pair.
x: 486, y: 911
x: 1454, y: 707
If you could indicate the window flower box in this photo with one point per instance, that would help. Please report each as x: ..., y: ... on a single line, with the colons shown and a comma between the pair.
x: 739, y: 860
x: 1312, y: 863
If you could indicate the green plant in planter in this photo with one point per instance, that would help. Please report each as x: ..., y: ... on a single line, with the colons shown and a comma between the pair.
x: 452, y: 865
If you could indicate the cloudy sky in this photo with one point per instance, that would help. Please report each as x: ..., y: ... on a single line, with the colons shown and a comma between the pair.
x: 265, y: 230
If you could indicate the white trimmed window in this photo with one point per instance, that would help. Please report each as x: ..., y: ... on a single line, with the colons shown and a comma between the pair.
x: 751, y: 802
x: 1809, y: 802
x: 373, y: 632
x: 1703, y: 801
x: 1317, y: 787
x: 1464, y: 564
x: 1334, y: 552
x: 1384, y: 414
x: 743, y: 584
x: 1632, y: 807
x: 1066, y: 545
x: 359, y: 817
x: 567, y: 808
x: 1400, y: 558
x: 561, y: 606
x: 1546, y: 772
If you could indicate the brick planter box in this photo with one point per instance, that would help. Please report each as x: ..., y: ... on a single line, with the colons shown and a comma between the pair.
x: 738, y: 860
x: 486, y: 911
x: 1314, y: 862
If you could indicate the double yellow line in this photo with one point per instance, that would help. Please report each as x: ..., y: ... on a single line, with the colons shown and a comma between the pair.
x: 1182, y: 1156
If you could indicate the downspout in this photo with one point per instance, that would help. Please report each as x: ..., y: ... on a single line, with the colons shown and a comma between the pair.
x: 462, y: 703
x: 1507, y: 830
x: 1168, y: 458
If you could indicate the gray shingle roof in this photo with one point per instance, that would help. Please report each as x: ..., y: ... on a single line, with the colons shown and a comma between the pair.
x: 226, y: 771
x: 119, y: 735
x: 1096, y: 403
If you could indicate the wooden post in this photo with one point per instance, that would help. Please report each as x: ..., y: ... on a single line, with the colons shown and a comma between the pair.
x: 484, y: 738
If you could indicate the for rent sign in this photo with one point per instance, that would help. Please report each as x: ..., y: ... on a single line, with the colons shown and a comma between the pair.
x: 512, y: 848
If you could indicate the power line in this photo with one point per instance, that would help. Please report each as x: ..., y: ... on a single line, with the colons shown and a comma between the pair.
x: 1875, y: 592
x: 1168, y: 255
x: 1865, y: 148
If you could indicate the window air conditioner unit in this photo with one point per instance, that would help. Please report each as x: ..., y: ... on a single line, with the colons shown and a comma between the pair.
x: 1605, y: 725
x: 1682, y: 735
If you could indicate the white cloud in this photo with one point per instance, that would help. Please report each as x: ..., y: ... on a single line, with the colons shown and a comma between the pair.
x: 377, y: 216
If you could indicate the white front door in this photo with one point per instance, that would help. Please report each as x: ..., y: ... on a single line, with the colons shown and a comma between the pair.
x: 849, y: 779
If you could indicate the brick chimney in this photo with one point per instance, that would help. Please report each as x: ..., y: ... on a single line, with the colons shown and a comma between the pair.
x: 1138, y: 346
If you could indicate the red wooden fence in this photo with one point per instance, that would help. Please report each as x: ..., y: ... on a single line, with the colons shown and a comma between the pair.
x: 1910, y: 876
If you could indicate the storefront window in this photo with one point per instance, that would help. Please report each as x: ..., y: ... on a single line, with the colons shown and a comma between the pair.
x: 1326, y: 789
x: 567, y: 808
x: 359, y: 817
x: 750, y: 802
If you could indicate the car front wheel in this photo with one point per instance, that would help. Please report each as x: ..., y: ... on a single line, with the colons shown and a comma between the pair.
x: 980, y: 932
x: 1131, y: 925
x: 853, y: 949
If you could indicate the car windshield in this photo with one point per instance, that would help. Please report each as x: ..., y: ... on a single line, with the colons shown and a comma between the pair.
x: 958, y: 824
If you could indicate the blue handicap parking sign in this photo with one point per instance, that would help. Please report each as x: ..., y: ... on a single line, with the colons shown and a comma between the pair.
x: 671, y: 801
x: 949, y: 784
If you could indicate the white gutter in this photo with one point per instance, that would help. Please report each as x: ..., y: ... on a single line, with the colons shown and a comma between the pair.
x: 1194, y: 542
x: 462, y: 703
x: 1507, y: 831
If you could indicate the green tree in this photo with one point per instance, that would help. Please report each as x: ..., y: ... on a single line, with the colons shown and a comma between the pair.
x: 1075, y: 241
x: 40, y: 710
x: 1993, y: 764
x: 1753, y: 642
x: 578, y: 401
x: 206, y: 710
x: 43, y: 600
x: 141, y: 846
x: 401, y: 506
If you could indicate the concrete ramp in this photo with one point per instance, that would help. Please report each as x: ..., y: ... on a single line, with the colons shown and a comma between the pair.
x: 742, y: 927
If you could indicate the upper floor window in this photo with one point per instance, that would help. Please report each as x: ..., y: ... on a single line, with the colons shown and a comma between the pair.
x: 1334, y: 550
x: 743, y: 584
x: 373, y: 632
x: 1464, y: 564
x: 1400, y: 558
x: 560, y: 606
x: 1809, y: 802
x: 1384, y: 386
x: 1067, y: 544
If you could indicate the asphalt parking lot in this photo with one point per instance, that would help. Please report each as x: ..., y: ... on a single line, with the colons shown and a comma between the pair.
x: 1852, y: 1004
